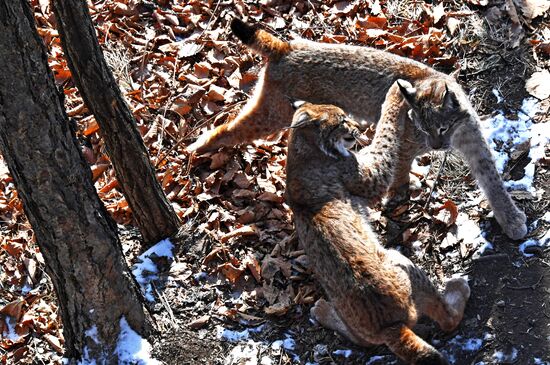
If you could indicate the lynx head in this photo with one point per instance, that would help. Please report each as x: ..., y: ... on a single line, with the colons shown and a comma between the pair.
x: 436, y: 110
x: 325, y: 126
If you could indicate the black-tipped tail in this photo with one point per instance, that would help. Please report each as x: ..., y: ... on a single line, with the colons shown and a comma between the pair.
x: 245, y: 32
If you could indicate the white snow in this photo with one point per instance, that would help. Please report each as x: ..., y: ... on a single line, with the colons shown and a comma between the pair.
x: 344, y: 353
x: 538, y: 361
x: 92, y: 333
x: 544, y: 241
x: 506, y: 357
x: 469, y: 232
x: 458, y: 345
x: 245, y: 354
x: 132, y: 349
x: 10, y: 334
x: 496, y: 93
x: 232, y: 336
x: 421, y: 170
x: 287, y: 344
x: 504, y: 135
x: 145, y: 271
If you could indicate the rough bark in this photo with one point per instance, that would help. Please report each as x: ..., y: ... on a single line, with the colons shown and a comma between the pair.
x: 152, y: 212
x: 73, y: 230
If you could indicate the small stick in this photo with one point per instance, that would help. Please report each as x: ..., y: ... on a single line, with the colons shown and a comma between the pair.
x: 436, y: 179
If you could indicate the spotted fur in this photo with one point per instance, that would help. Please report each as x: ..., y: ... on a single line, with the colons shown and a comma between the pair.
x: 374, y: 295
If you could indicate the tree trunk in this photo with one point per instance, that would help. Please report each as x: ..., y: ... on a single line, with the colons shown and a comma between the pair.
x: 152, y: 212
x: 73, y: 229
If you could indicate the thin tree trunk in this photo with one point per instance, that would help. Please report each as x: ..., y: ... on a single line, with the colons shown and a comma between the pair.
x: 153, y: 214
x: 73, y: 229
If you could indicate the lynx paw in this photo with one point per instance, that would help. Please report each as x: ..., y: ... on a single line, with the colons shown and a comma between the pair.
x: 457, y: 293
x: 513, y: 224
x: 323, y: 312
x: 457, y: 287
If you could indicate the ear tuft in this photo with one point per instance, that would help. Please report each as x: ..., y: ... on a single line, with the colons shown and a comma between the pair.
x: 408, y: 91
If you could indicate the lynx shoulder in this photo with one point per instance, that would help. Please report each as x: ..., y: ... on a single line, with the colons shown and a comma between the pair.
x: 374, y: 295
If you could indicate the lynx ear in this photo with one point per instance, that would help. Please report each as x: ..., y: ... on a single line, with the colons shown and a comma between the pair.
x: 450, y: 101
x: 297, y: 103
x: 408, y: 91
x: 300, y: 119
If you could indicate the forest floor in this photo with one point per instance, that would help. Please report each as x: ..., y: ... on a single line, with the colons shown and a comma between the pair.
x: 238, y: 288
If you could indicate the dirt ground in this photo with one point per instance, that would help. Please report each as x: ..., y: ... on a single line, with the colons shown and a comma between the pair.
x: 240, y: 288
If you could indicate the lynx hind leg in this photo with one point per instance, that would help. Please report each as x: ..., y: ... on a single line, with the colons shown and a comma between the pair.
x: 446, y: 309
x: 268, y: 111
x: 406, y: 344
x: 324, y: 313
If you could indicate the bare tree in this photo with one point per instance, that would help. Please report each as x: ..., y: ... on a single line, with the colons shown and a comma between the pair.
x: 75, y: 233
x: 152, y: 211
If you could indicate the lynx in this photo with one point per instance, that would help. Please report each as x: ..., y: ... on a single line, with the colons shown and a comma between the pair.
x: 357, y: 79
x: 375, y: 294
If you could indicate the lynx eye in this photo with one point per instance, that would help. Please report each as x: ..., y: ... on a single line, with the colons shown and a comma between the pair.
x: 442, y: 130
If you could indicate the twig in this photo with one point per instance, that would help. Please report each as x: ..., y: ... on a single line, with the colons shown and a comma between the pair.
x: 436, y: 179
x: 497, y: 256
x: 532, y: 287
x: 166, y: 306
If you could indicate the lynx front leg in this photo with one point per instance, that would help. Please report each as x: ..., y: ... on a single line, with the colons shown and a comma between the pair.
x: 267, y: 112
x: 469, y: 141
x: 413, y: 145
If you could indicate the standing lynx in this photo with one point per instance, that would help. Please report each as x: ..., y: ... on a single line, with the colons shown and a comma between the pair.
x: 357, y: 79
x: 375, y: 295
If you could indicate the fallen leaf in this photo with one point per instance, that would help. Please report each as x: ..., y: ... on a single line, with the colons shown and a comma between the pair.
x: 447, y: 213
x: 538, y: 84
x: 533, y: 8
x: 199, y: 322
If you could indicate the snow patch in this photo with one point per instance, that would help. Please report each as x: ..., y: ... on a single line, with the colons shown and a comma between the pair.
x: 92, y: 333
x: 544, y: 241
x: 459, y: 345
x: 506, y: 357
x: 469, y: 232
x: 421, y: 170
x: 9, y: 333
x: 504, y: 135
x: 232, y: 336
x: 344, y: 353
x: 246, y: 354
x: 287, y: 344
x: 145, y: 271
x: 132, y: 349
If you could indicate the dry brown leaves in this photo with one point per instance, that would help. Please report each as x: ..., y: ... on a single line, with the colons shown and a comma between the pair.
x: 182, y: 72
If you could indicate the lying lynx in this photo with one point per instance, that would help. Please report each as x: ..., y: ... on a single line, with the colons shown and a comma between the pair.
x: 357, y: 79
x: 375, y: 295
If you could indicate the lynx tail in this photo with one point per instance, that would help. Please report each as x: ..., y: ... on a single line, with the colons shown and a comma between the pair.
x: 259, y: 40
